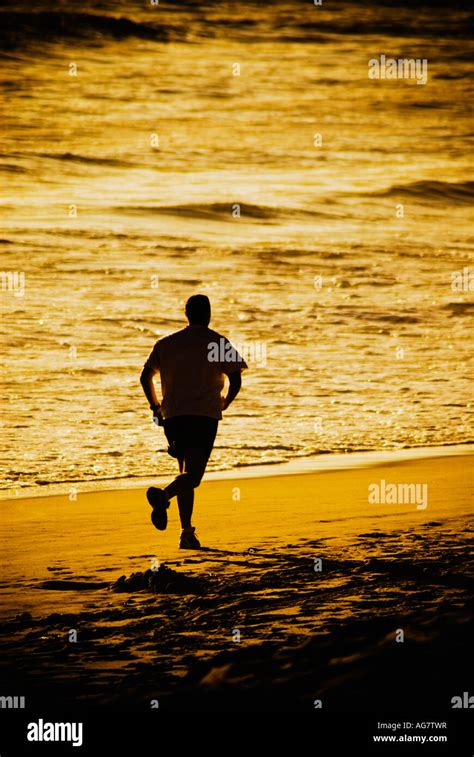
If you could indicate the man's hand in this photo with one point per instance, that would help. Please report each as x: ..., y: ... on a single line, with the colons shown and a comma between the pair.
x: 157, y: 416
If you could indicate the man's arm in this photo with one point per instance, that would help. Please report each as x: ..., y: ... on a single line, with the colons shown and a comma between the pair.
x: 235, y: 382
x: 146, y: 380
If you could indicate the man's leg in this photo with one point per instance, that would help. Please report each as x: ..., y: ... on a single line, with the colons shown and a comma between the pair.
x: 185, y: 501
x: 185, y: 507
x: 195, y: 461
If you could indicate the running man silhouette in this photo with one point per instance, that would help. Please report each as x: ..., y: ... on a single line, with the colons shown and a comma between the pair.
x: 192, y: 364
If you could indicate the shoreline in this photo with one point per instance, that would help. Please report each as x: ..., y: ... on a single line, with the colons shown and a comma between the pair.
x: 321, y: 463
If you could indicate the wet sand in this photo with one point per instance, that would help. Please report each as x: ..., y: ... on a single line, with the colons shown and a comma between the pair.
x: 305, y: 592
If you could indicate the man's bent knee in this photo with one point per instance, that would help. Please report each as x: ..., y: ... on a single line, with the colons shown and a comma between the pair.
x: 192, y: 479
x: 195, y: 479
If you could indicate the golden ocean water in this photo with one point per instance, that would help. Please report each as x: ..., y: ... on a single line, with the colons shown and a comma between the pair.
x: 150, y: 152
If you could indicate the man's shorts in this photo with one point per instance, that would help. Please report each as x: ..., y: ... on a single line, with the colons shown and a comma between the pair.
x: 186, y: 431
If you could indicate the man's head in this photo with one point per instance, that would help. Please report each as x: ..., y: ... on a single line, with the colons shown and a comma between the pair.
x: 198, y: 310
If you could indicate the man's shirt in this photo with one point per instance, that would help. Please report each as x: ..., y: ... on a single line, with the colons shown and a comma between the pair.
x: 192, y: 363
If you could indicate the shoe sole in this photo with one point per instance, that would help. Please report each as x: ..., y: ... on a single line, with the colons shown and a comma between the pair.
x: 159, y: 518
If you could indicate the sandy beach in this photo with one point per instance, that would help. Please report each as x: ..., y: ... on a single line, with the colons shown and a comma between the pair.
x: 298, y: 596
